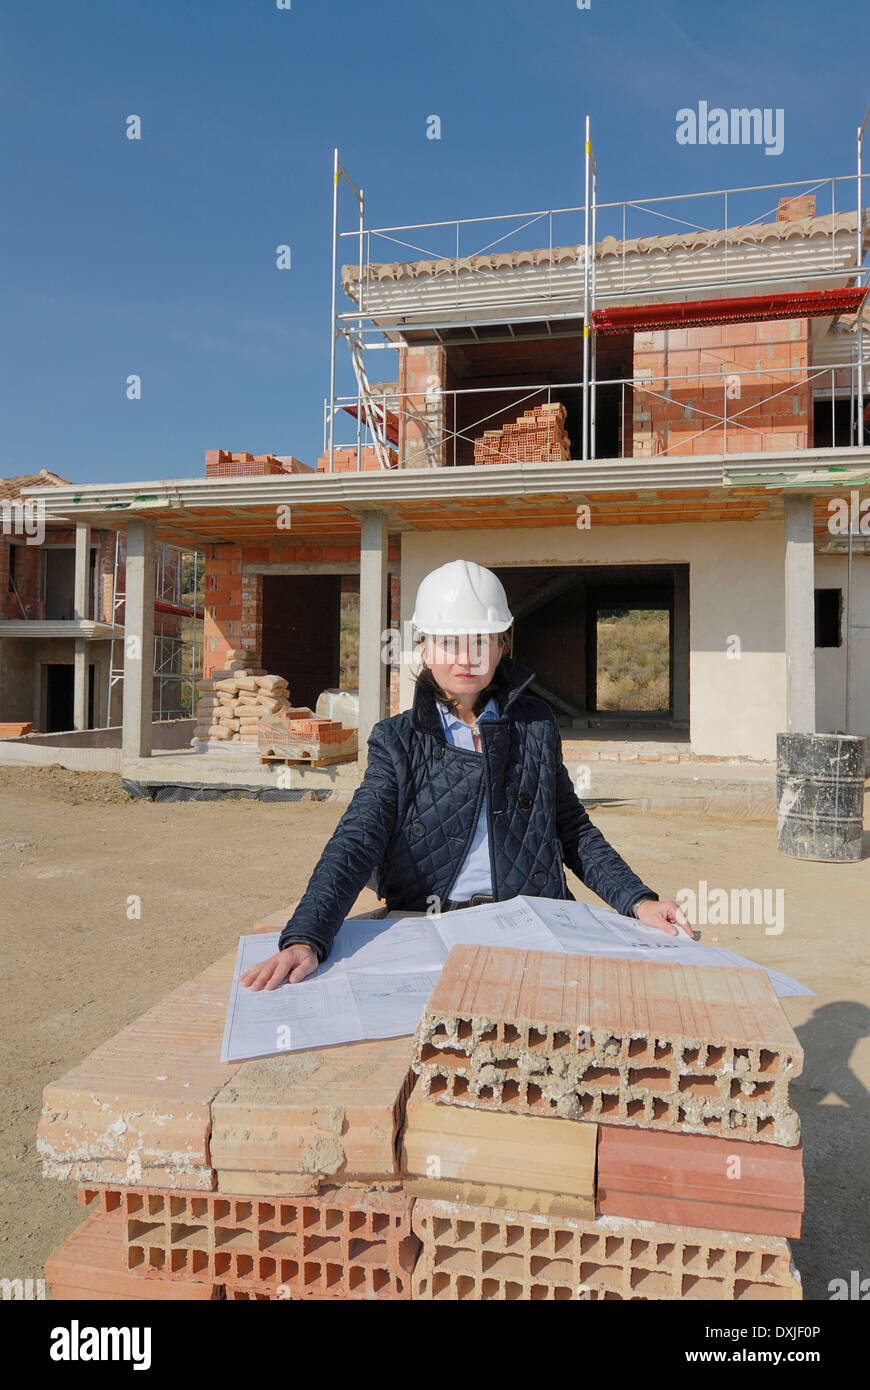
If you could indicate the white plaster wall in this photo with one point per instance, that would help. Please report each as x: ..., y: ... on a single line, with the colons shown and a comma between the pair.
x: 831, y: 661
x: 736, y: 589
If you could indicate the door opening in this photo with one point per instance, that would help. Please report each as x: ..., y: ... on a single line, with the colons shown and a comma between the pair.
x: 59, y: 701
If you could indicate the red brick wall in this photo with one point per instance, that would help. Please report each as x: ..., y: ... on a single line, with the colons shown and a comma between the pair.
x: 7, y: 598
x: 768, y: 406
x: 105, y: 540
x: 421, y: 412
x: 234, y: 606
x: 222, y: 622
x: 252, y: 613
x: 28, y: 572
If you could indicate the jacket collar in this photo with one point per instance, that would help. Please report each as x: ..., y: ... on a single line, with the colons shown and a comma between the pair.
x: 424, y: 711
x: 452, y: 721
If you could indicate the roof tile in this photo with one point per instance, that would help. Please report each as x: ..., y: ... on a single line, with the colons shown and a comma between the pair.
x: 801, y: 228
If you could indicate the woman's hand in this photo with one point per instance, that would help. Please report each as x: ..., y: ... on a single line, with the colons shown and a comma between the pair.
x: 295, y: 961
x: 667, y: 917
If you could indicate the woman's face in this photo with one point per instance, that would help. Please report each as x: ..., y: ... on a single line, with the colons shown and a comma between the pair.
x: 464, y: 665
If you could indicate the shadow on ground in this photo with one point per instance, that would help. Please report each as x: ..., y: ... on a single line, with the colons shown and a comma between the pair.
x: 834, y: 1106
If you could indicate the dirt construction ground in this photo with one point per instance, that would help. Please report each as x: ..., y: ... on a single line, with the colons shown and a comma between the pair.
x: 74, y: 848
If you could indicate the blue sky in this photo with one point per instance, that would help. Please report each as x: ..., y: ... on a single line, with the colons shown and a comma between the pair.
x: 157, y: 256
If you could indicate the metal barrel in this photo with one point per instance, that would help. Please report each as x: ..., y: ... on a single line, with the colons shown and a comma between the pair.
x: 820, y: 796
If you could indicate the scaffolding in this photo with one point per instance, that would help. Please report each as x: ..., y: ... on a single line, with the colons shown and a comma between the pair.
x: 177, y: 656
x: 565, y: 301
x: 368, y: 414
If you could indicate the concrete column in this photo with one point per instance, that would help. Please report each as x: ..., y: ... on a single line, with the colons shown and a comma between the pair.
x: 138, y: 641
x: 81, y: 610
x: 372, y: 621
x: 681, y: 646
x: 80, y: 685
x: 800, y: 640
x: 104, y: 681
x: 82, y: 594
x: 39, y: 715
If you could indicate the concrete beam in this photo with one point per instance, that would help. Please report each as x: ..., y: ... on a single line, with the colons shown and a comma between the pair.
x: 372, y: 621
x: 138, y: 641
x: 252, y: 568
x: 800, y: 641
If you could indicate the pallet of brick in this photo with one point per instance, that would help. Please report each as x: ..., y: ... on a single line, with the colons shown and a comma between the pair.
x: 538, y: 436
x: 91, y: 1264
x: 283, y: 718
x: 531, y: 1163
x: 305, y: 740
x: 288, y: 1124
x: 138, y: 1108
x: 15, y: 729
x: 697, y: 1180
x: 479, y: 1253
x: 221, y: 463
x: 345, y: 1243
x: 699, y: 1049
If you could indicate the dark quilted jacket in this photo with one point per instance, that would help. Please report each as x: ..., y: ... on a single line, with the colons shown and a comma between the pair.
x: 412, y: 819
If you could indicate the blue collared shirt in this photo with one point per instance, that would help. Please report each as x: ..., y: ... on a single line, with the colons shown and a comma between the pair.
x: 475, y: 876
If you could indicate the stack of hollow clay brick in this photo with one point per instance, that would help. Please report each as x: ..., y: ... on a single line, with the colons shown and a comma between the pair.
x: 231, y: 703
x: 299, y: 735
x: 222, y: 463
x: 578, y: 1128
x: 537, y: 436
x: 596, y: 1128
x: 270, y: 1179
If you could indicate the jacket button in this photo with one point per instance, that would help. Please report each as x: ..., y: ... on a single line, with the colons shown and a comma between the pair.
x: 417, y: 829
x: 439, y: 751
x: 539, y: 879
x: 524, y: 799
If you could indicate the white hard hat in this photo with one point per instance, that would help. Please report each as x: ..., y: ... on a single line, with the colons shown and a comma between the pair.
x: 461, y: 597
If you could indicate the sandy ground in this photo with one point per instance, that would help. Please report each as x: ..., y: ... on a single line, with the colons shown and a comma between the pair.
x: 74, y: 848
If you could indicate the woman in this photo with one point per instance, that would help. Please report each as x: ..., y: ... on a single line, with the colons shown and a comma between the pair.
x: 466, y: 798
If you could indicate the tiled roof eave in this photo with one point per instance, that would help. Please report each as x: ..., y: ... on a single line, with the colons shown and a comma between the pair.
x: 803, y: 229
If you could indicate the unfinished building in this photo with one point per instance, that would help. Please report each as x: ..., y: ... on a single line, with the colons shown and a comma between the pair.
x: 650, y: 438
x: 62, y: 613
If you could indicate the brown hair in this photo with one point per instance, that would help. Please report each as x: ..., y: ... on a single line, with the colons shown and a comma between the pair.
x: 500, y: 677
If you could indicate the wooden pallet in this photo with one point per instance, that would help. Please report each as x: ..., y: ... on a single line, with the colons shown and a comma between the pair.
x: 309, y: 762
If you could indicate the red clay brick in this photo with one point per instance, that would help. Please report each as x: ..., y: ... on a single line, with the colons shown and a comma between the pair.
x: 138, y: 1108
x: 702, y: 1049
x: 478, y: 1253
x: 522, y: 1161
x: 92, y: 1264
x: 695, y: 1180
x: 346, y: 1242
x: 325, y: 1114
